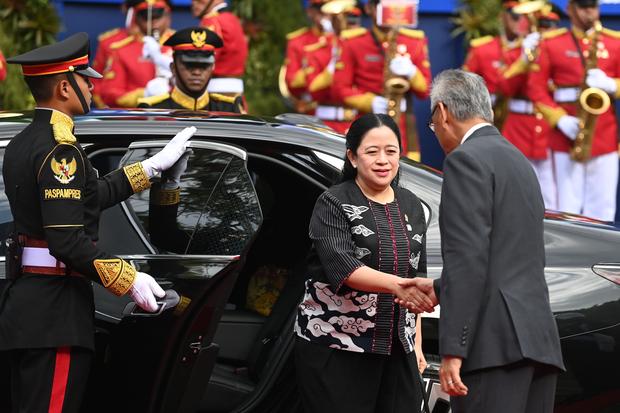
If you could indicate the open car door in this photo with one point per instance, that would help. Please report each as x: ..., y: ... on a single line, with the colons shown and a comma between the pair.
x: 192, y: 240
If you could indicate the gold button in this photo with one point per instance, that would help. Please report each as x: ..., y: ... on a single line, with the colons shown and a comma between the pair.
x: 538, y: 129
x: 539, y: 116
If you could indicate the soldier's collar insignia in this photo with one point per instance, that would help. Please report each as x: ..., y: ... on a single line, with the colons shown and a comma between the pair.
x: 64, y: 172
x: 62, y: 126
x: 189, y: 102
x: 199, y: 39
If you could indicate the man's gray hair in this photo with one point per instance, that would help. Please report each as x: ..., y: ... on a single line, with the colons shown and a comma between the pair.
x: 463, y: 93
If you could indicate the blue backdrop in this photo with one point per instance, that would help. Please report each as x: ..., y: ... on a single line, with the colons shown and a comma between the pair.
x: 446, y: 51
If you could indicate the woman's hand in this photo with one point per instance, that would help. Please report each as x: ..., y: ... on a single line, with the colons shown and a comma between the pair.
x: 409, y: 295
x: 422, y: 364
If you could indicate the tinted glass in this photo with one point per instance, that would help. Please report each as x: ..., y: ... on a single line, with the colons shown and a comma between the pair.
x: 6, y: 219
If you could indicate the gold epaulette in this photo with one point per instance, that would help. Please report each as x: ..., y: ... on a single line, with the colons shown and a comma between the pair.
x: 480, y: 41
x: 108, y: 34
x: 316, y: 46
x: 611, y: 33
x: 122, y: 43
x: 223, y: 98
x: 154, y: 100
x: 351, y: 33
x: 415, y: 34
x: 554, y: 33
x: 297, y: 33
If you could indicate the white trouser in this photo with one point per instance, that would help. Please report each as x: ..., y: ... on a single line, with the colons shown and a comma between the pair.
x: 544, y: 173
x: 587, y: 188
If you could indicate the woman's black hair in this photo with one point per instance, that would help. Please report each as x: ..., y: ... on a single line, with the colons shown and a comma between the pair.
x: 359, y: 128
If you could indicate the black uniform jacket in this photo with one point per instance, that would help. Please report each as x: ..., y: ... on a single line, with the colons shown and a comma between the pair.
x: 494, y: 299
x: 56, y: 196
x: 176, y: 99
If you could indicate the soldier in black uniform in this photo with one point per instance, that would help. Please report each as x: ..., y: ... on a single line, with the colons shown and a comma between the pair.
x: 192, y: 68
x: 56, y: 197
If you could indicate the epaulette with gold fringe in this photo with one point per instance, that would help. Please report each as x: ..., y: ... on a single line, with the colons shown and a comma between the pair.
x: 108, y: 34
x: 554, y: 33
x: 480, y: 41
x: 611, y: 33
x: 153, y: 100
x: 222, y: 98
x: 122, y: 43
x: 415, y: 34
x: 351, y: 33
x: 297, y: 33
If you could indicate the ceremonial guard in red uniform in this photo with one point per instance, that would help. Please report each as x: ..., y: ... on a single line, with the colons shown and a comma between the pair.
x: 359, y: 76
x: 586, y: 186
x: 2, y: 67
x: 295, y: 62
x: 103, y: 53
x: 525, y: 126
x: 138, y: 58
x: 193, y: 61
x: 56, y: 198
x: 490, y: 56
x: 321, y: 58
x: 216, y: 16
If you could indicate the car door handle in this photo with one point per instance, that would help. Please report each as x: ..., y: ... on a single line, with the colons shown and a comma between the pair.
x: 170, y: 300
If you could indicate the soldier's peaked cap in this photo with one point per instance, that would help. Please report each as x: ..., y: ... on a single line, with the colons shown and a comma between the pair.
x: 69, y: 55
x: 195, y: 44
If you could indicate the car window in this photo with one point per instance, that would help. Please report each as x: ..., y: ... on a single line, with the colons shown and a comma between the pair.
x: 217, y: 212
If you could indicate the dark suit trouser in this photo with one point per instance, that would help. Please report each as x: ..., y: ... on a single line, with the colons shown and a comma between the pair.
x: 49, y: 380
x: 523, y: 387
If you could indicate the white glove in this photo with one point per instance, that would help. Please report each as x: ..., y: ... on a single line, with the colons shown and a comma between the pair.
x: 173, y: 150
x: 569, y: 126
x: 171, y: 178
x: 380, y: 105
x: 156, y: 87
x: 152, y: 50
x: 326, y: 25
x: 144, y: 290
x: 598, y: 78
x: 530, y: 43
x: 403, y: 66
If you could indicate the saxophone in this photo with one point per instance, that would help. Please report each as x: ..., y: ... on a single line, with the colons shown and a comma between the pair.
x: 592, y: 103
x: 394, y: 87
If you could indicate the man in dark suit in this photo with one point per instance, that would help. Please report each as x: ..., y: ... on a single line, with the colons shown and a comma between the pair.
x: 498, y: 339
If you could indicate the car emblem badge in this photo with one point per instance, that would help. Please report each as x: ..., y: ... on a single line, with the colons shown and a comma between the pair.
x: 63, y: 171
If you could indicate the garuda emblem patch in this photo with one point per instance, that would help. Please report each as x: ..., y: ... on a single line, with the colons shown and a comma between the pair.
x: 63, y: 171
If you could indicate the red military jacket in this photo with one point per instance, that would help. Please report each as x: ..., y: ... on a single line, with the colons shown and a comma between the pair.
x: 128, y: 73
x: 103, y: 58
x: 295, y: 62
x: 2, y: 67
x: 559, y: 63
x: 505, y: 73
x: 232, y: 56
x: 359, y: 72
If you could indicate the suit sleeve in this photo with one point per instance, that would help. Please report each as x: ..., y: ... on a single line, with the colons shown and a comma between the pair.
x: 331, y: 235
x: 63, y: 182
x: 343, y: 88
x: 120, y: 184
x: 465, y: 220
x: 538, y: 87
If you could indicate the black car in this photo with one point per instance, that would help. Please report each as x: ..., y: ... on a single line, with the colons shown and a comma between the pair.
x: 235, y: 254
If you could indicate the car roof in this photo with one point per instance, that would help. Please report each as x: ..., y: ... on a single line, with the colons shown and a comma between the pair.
x: 293, y: 129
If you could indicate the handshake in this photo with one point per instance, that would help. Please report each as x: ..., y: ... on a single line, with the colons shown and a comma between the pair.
x: 416, y: 294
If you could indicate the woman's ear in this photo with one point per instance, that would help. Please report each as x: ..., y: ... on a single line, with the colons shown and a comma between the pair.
x: 351, y: 157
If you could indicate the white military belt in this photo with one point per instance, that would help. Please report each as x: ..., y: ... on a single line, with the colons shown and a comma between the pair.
x: 566, y: 94
x: 523, y: 106
x: 39, y: 257
x: 225, y: 85
x: 335, y: 113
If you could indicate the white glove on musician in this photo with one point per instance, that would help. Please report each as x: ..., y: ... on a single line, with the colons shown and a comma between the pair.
x: 530, y: 44
x: 152, y: 50
x: 403, y: 66
x: 569, y: 126
x: 144, y: 290
x: 380, y: 105
x: 598, y: 78
x: 157, y: 86
x: 173, y: 150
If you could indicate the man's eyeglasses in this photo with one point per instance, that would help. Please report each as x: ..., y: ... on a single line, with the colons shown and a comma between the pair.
x: 431, y: 124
